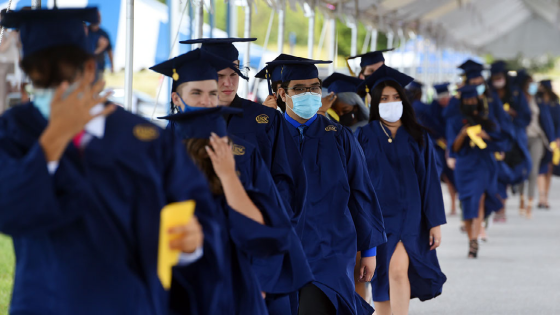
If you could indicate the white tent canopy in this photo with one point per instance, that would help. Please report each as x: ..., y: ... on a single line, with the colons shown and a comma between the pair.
x: 503, y: 28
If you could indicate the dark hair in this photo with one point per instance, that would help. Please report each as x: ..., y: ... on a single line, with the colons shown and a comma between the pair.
x: 553, y: 96
x: 408, y: 118
x: 507, y: 88
x: 279, y: 100
x: 52, y: 66
x: 197, y: 151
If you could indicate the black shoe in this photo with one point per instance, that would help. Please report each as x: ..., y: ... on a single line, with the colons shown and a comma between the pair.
x: 473, y: 249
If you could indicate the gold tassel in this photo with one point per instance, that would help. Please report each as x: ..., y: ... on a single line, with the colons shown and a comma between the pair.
x: 349, y: 68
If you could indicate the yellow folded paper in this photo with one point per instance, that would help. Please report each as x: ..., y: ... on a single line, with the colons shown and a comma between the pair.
x: 175, y: 214
x: 506, y: 107
x: 473, y: 133
x: 499, y: 156
x: 333, y: 114
x: 555, y: 153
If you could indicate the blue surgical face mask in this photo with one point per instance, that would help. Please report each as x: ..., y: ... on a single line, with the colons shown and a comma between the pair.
x: 187, y: 108
x: 533, y: 88
x: 42, y: 98
x: 305, y: 105
x: 480, y: 89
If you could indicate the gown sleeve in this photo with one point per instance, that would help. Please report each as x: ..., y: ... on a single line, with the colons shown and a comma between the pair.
x: 28, y: 201
x: 523, y: 118
x: 363, y: 203
x: 546, y: 122
x: 430, y: 188
x: 288, y: 170
x: 256, y: 239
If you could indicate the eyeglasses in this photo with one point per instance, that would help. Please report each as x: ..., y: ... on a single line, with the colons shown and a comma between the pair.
x: 302, y: 89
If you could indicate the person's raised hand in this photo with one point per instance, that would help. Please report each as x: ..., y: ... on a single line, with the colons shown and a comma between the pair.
x: 327, y: 102
x: 270, y: 101
x: 221, y: 155
x: 435, y: 237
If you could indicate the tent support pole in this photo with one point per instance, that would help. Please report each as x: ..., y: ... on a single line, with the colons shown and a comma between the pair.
x: 36, y: 4
x: 281, y: 24
x: 129, y: 54
x: 311, y: 35
x: 332, y: 48
x: 354, y: 42
x: 199, y: 20
x: 373, y: 39
x: 247, y: 34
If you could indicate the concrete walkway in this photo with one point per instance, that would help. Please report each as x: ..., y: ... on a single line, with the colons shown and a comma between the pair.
x: 517, y: 272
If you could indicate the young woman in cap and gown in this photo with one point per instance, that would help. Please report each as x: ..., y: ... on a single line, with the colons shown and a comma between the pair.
x: 342, y: 215
x: 476, y: 169
x: 493, y: 110
x: 263, y: 253
x: 401, y: 160
x: 437, y: 134
x: 515, y: 166
x: 84, y: 183
x: 548, y: 98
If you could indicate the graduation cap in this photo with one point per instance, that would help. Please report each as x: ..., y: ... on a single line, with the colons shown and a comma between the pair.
x: 468, y: 91
x: 442, y: 88
x: 199, y: 124
x: 498, y: 67
x: 273, y: 73
x: 472, y: 69
x: 521, y: 77
x: 382, y: 74
x: 222, y: 47
x: 297, y: 69
x: 196, y: 65
x: 368, y: 58
x: 42, y: 29
x: 415, y: 85
x: 341, y: 83
x: 547, y: 84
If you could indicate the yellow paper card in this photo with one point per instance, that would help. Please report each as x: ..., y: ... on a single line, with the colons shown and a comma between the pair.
x: 333, y: 114
x: 175, y: 214
x: 441, y: 144
x: 506, y: 107
x: 473, y: 132
x: 556, y: 156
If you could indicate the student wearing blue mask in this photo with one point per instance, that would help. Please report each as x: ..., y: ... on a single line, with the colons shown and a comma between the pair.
x: 402, y: 162
x: 540, y: 133
x: 259, y: 125
x: 84, y: 183
x: 546, y: 96
x: 195, y: 94
x: 342, y: 215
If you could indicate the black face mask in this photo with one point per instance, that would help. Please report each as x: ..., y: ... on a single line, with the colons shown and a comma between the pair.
x: 348, y: 118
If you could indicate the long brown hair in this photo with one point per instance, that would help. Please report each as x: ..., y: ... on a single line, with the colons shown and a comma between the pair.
x: 197, y: 151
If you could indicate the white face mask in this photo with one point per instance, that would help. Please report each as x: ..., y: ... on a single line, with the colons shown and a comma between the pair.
x: 498, y: 84
x: 391, y: 112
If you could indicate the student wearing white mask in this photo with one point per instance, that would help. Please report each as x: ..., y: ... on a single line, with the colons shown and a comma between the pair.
x: 401, y: 161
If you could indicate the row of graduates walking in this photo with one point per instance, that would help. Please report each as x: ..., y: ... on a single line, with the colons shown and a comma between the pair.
x: 514, y: 148
x: 284, y: 201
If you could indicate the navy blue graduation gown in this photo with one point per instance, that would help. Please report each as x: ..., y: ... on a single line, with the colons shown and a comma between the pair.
x: 517, y: 164
x: 342, y: 214
x: 265, y: 128
x: 405, y: 177
x: 476, y: 170
x: 283, y: 271
x: 86, y: 237
x: 547, y: 124
x: 555, y: 111
x: 238, y: 292
x: 436, y: 132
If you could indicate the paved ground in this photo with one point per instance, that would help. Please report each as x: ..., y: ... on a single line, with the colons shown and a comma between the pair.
x: 517, y: 272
